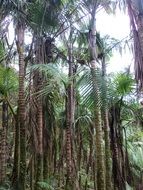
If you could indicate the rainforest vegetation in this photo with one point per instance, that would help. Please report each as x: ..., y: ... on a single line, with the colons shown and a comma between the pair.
x: 65, y: 122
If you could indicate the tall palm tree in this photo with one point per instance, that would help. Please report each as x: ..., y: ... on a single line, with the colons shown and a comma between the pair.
x: 123, y: 86
x: 8, y: 83
x: 37, y: 85
x: 105, y: 115
x: 100, y: 175
x: 70, y: 120
x: 44, y: 14
x: 20, y: 29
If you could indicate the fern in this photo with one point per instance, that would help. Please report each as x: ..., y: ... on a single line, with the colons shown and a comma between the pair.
x: 45, y: 185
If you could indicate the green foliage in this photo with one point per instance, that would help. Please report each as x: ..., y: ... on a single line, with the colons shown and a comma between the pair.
x: 2, y: 51
x: 43, y: 15
x: 5, y: 186
x: 8, y: 80
x: 85, y: 179
x: 64, y: 16
x: 85, y: 86
x: 49, y: 184
x: 45, y: 185
x: 55, y: 79
x: 124, y: 83
x: 128, y: 187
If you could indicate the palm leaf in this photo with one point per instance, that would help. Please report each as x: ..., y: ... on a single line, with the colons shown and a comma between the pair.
x: 8, y: 80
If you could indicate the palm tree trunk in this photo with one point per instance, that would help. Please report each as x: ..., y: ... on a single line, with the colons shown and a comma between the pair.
x: 107, y: 151
x: 106, y: 129
x: 97, y: 109
x: 3, y: 156
x: 38, y: 80
x: 70, y: 183
x: 21, y: 104
x: 116, y: 146
x: 135, y: 11
x: 32, y: 172
x: 39, y: 158
x: 15, y: 172
x: 3, y: 142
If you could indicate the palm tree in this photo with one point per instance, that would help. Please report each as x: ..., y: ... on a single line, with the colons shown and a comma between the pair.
x: 8, y: 83
x: 44, y: 16
x: 97, y: 110
x: 37, y: 85
x: 135, y: 12
x: 63, y: 128
x: 123, y: 86
x: 70, y: 120
x: 20, y: 29
x: 4, y: 93
x: 105, y: 115
x: 20, y: 33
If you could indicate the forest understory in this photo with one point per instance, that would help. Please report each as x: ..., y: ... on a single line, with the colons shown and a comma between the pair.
x: 65, y: 122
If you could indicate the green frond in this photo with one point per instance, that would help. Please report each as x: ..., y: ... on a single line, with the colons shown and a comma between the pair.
x: 8, y: 81
x: 85, y: 87
x: 124, y: 83
x: 51, y: 70
x: 43, y: 15
x: 55, y: 80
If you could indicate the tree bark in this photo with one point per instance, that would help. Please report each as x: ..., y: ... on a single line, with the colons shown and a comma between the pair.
x: 20, y: 29
x: 97, y: 103
x: 38, y: 81
x: 105, y: 117
x: 70, y: 183
x: 3, y: 142
x: 15, y: 172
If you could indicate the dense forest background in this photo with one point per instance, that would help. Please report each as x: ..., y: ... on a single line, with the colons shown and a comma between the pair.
x: 67, y: 124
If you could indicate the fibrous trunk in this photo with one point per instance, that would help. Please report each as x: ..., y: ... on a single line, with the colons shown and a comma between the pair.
x: 106, y: 128
x: 37, y: 82
x: 70, y: 183
x: 100, y: 176
x: 15, y: 172
x: 21, y: 104
x: 3, y: 142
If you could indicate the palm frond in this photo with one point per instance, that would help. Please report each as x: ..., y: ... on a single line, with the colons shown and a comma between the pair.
x: 8, y: 80
x: 55, y: 80
x: 124, y: 83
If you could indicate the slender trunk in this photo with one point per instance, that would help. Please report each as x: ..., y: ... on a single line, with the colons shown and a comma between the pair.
x: 15, y: 172
x: 62, y: 155
x: 46, y: 151
x: 108, y: 181
x: 39, y: 151
x: 70, y: 183
x: 135, y: 11
x: 97, y: 104
x: 116, y: 146
x: 3, y: 142
x: 32, y: 172
x: 39, y: 158
x: 21, y: 104
x: 99, y: 151
x: 2, y: 156
x: 89, y: 162
x: 55, y: 148
x: 68, y: 158
x: 107, y: 152
x: 38, y: 81
x: 46, y: 164
x: 33, y: 133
